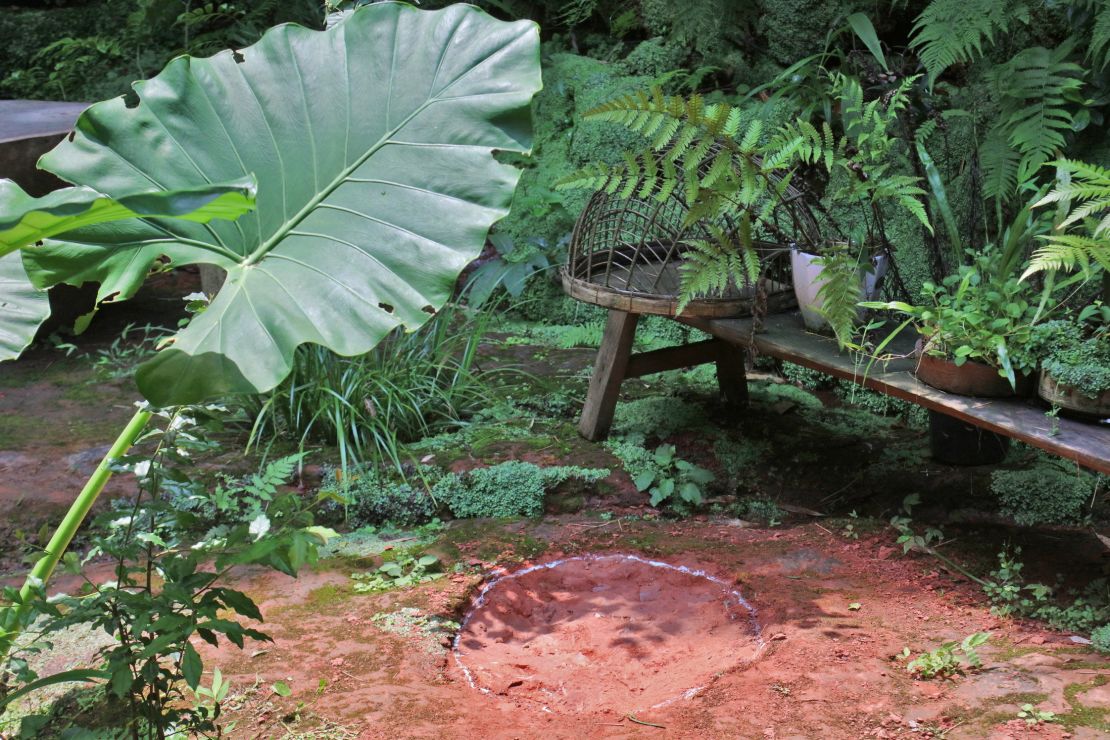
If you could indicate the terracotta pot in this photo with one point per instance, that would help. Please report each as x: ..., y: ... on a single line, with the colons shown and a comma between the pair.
x: 969, y: 379
x: 1071, y: 401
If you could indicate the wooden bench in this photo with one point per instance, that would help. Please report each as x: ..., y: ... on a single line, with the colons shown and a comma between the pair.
x: 783, y: 337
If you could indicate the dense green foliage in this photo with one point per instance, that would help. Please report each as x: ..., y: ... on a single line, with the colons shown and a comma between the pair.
x: 338, y: 251
x: 89, y: 50
x: 374, y: 497
x: 1050, y: 492
x: 170, y: 549
x: 512, y: 488
x: 1077, y: 355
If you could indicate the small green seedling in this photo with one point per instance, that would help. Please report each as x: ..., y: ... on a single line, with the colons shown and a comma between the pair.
x: 945, y: 660
x: 849, y: 529
x: 673, y: 474
x: 1034, y: 716
x: 406, y: 570
x: 210, y: 696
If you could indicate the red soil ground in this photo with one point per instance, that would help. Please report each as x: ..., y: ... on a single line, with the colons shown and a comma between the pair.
x: 828, y: 670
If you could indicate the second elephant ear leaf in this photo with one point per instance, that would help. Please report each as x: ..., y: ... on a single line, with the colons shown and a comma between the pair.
x: 373, y: 145
x: 26, y: 220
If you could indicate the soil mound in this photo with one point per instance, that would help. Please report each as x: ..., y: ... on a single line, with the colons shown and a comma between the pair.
x: 604, y: 633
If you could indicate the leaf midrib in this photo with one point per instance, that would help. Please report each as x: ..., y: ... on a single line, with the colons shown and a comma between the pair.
x: 283, y: 231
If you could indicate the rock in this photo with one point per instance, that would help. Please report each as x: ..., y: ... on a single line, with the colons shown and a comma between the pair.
x: 85, y: 461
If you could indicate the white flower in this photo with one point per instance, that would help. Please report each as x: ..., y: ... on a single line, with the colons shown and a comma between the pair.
x: 142, y: 468
x: 259, y: 526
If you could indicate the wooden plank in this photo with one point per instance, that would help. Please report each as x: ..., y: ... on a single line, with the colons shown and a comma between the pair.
x: 609, y: 370
x: 672, y: 358
x: 783, y: 337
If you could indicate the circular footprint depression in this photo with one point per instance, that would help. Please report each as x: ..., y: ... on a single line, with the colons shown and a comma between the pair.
x: 604, y: 633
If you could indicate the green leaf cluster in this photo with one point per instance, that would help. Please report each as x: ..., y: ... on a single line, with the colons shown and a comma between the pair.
x: 374, y: 496
x: 672, y: 475
x: 406, y: 569
x: 508, y: 489
x: 168, y: 588
x: 950, y: 658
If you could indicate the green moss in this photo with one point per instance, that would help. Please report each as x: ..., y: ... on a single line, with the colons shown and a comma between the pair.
x: 774, y: 393
x: 797, y: 28
x: 657, y: 416
x: 739, y: 458
x: 490, y: 541
x: 1080, y: 714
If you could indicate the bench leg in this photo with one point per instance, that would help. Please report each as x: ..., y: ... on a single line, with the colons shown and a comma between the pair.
x: 609, y: 371
x: 732, y: 376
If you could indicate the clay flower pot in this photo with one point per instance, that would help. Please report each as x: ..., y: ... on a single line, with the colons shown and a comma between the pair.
x: 1071, y: 401
x: 969, y: 379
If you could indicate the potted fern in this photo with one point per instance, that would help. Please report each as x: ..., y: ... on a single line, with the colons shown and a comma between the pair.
x: 726, y: 165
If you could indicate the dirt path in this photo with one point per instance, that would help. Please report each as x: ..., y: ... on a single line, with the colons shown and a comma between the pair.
x: 832, y: 613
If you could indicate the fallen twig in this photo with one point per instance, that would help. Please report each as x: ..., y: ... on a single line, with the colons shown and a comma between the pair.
x: 632, y: 717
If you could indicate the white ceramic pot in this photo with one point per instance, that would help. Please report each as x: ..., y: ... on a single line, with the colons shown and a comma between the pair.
x: 806, y: 270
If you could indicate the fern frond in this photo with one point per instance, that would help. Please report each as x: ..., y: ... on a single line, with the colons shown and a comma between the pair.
x: 1035, y: 85
x: 1086, y: 190
x: 1070, y: 252
x: 709, y: 266
x: 953, y: 31
x: 1098, y: 51
x: 1000, y: 163
x: 840, y: 293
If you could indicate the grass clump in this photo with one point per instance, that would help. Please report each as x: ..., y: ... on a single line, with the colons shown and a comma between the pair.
x: 411, y: 386
x: 512, y: 488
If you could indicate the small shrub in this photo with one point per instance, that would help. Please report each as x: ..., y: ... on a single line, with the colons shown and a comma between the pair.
x: 673, y: 475
x: 809, y: 379
x: 1100, y: 639
x: 738, y: 457
x: 375, y: 497
x: 763, y: 510
x: 512, y: 488
x: 1047, y: 493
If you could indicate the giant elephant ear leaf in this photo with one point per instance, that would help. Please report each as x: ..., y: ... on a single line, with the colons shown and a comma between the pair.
x: 26, y: 220
x: 373, y: 143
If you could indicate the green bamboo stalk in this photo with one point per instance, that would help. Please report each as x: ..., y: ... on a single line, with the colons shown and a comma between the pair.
x: 13, y: 618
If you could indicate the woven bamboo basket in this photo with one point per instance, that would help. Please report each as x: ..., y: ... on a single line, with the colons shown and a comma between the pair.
x: 627, y: 253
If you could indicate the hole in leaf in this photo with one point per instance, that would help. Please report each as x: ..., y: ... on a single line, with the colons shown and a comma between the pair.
x: 237, y: 56
x: 429, y: 310
x: 72, y: 136
x: 386, y: 307
x: 130, y: 100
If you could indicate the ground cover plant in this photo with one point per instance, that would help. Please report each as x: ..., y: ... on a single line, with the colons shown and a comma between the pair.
x: 399, y: 436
